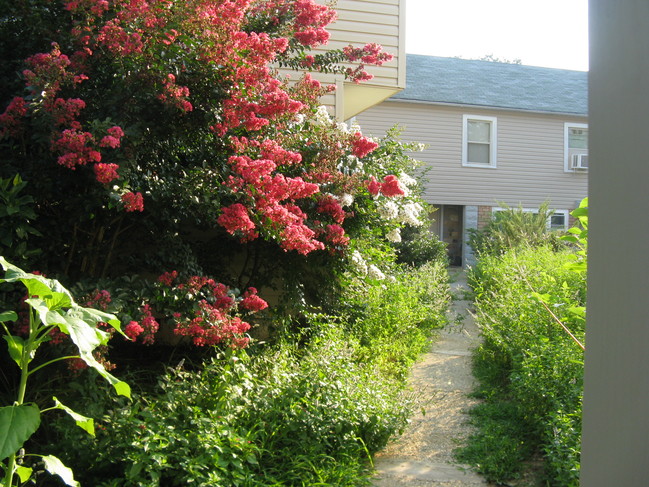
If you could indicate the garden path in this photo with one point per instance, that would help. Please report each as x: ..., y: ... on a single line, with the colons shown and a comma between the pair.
x: 422, y: 456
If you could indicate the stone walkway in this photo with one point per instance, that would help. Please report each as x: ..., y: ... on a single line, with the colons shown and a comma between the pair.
x: 422, y: 456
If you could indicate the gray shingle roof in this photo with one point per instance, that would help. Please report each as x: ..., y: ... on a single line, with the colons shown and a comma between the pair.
x: 488, y: 84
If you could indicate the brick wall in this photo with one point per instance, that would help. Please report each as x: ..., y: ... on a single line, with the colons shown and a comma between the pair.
x: 484, y: 216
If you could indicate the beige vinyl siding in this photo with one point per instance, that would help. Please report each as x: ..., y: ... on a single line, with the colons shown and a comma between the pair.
x: 359, y: 23
x: 530, y: 157
x: 380, y: 21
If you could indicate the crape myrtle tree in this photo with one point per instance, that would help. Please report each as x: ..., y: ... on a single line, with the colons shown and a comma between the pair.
x: 158, y: 137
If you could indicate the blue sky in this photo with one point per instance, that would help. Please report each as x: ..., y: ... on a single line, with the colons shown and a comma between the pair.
x: 550, y: 33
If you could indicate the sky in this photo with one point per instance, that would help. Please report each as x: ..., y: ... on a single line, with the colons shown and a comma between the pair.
x: 549, y: 33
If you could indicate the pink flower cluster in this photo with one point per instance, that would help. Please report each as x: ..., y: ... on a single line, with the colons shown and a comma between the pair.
x: 145, y: 329
x: 331, y: 206
x: 212, y: 320
x: 133, y: 202
x: 77, y: 148
x: 310, y: 22
x: 113, y: 139
x: 362, y: 146
x: 369, y: 54
x: 273, y: 197
x: 11, y: 118
x: 105, y: 173
x: 389, y: 187
x: 99, y: 299
x: 252, y: 302
x: 175, y: 95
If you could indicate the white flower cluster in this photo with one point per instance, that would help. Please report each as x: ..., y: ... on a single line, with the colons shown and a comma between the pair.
x: 345, y: 199
x: 359, y: 264
x: 322, y: 116
x: 342, y: 127
x: 299, y: 119
x: 361, y: 267
x: 406, y: 180
x: 389, y: 210
x: 404, y: 213
x: 374, y: 272
x: 409, y: 213
x: 394, y: 236
x: 355, y: 126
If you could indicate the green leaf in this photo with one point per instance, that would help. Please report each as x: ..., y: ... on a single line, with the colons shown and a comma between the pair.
x: 8, y: 316
x: 55, y: 466
x: 83, y: 422
x: 57, y: 301
x: 17, y: 424
x: 24, y: 473
x: 16, y: 346
x: 36, y: 285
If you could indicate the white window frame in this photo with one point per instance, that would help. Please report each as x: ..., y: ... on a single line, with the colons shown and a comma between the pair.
x: 566, y: 150
x: 493, y: 149
x: 565, y: 213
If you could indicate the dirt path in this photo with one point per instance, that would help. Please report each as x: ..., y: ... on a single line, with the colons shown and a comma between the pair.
x: 422, y: 456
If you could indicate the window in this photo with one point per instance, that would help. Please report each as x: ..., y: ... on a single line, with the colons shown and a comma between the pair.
x: 575, y: 147
x: 558, y: 220
x: 479, y: 141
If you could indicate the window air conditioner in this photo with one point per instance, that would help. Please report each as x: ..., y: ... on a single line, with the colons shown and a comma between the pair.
x: 579, y: 161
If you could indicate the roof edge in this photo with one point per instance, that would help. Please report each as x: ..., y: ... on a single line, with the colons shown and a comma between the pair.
x: 484, y: 107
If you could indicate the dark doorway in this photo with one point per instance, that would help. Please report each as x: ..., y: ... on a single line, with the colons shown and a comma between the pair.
x: 448, y: 225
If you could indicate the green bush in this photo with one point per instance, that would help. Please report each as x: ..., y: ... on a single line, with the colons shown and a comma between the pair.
x: 527, y: 358
x: 512, y: 228
x: 394, y: 320
x: 283, y: 417
x: 420, y: 245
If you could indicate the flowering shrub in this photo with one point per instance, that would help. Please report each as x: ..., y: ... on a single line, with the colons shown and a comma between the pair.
x: 199, y: 308
x: 170, y: 109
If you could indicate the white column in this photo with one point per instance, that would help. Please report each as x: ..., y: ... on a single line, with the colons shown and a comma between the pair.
x: 615, y: 443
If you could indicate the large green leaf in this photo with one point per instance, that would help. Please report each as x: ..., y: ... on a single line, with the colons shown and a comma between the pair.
x: 36, y: 285
x: 24, y: 473
x: 16, y: 346
x: 8, y: 316
x: 83, y: 422
x: 87, y: 338
x: 17, y: 424
x: 56, y: 467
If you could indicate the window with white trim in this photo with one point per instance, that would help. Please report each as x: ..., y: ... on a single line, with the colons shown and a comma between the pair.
x: 558, y: 221
x: 575, y: 147
x: 479, y: 141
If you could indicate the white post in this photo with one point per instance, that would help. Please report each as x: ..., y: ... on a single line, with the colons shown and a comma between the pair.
x: 615, y: 443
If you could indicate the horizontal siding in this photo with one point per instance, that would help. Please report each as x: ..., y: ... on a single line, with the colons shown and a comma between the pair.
x: 530, y: 155
x: 361, y: 22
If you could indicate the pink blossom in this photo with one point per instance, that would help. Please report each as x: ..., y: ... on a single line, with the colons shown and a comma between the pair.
x: 133, y: 330
x: 10, y: 120
x: 331, y: 206
x: 106, y: 173
x: 335, y: 234
x: 361, y: 146
x: 391, y: 186
x: 133, y: 202
x: 235, y: 218
x: 373, y: 186
x: 252, y: 302
x: 167, y: 278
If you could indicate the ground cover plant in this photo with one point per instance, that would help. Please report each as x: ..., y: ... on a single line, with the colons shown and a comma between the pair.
x: 530, y: 307
x: 309, y: 410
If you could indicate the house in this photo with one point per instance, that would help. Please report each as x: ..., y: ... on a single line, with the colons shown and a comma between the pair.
x: 496, y: 134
